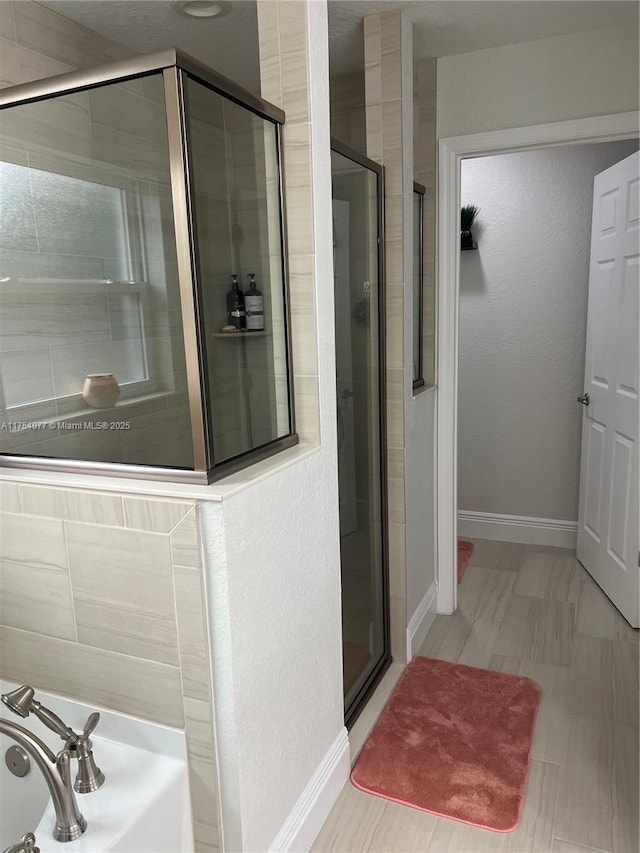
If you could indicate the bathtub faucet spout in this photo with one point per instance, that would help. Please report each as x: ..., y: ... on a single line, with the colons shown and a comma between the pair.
x: 70, y: 823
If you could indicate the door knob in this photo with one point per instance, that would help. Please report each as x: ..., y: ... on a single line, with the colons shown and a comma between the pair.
x: 584, y: 399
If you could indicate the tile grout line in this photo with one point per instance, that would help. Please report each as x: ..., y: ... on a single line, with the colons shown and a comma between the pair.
x: 98, y: 649
x: 582, y: 846
x: 73, y: 599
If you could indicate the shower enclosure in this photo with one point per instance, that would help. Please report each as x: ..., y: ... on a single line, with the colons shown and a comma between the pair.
x: 133, y: 195
x: 357, y: 234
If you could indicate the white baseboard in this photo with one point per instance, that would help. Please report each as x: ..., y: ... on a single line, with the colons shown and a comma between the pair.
x: 517, y: 528
x: 421, y: 621
x: 300, y: 829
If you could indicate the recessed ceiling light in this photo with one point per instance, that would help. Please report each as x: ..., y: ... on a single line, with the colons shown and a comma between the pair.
x: 202, y: 8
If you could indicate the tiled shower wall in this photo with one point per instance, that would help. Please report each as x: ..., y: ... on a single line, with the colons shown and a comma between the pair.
x: 101, y: 599
x: 284, y: 82
x: 387, y: 43
x: 424, y: 164
x: 348, y: 121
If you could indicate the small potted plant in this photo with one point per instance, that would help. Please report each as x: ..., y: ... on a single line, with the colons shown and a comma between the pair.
x: 467, y: 217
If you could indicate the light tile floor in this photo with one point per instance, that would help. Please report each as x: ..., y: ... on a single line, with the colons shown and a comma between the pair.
x: 533, y: 611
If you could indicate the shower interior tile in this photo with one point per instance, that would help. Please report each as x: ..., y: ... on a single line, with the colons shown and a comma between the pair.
x: 80, y: 444
x: 18, y: 264
x: 21, y: 65
x: 60, y: 124
x: 7, y: 26
x: 147, y: 159
x: 50, y: 320
x: 121, y: 109
x: 45, y: 32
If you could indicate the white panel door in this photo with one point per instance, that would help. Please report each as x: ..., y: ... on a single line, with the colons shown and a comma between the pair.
x: 609, y: 514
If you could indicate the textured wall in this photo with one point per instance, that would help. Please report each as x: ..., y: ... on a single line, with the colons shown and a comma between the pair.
x: 272, y: 551
x: 552, y: 79
x: 523, y: 303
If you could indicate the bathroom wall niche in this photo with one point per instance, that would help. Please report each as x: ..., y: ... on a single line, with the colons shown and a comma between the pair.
x: 132, y: 195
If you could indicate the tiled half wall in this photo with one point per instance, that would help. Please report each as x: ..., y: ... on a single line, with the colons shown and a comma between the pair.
x: 102, y: 600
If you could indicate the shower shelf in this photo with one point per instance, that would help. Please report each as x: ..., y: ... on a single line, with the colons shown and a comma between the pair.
x: 241, y: 335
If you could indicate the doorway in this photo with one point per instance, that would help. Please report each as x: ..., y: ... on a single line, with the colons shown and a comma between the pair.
x: 521, y: 341
x: 360, y: 413
x: 451, y: 152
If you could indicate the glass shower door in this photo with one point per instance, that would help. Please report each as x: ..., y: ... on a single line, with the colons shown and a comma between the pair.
x: 357, y: 194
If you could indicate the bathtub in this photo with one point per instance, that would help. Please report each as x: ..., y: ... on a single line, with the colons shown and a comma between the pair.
x: 143, y: 806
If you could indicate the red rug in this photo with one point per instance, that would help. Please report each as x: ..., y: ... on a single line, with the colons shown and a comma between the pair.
x: 454, y: 740
x: 465, y: 550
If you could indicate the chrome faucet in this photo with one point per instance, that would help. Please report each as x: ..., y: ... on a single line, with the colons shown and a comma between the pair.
x: 22, y: 702
x: 57, y: 774
x: 27, y: 844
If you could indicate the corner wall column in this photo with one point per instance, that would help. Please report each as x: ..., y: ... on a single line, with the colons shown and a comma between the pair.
x: 285, y: 81
x: 388, y: 51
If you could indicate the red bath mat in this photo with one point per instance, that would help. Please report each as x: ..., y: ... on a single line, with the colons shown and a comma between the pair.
x: 454, y: 740
x: 465, y: 550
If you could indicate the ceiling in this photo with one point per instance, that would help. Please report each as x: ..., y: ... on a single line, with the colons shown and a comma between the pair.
x: 230, y: 44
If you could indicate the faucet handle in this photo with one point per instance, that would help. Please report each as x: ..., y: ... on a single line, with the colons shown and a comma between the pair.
x: 27, y: 844
x: 90, y: 725
x: 89, y: 777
